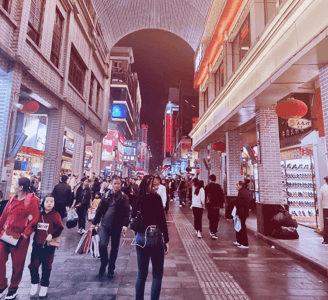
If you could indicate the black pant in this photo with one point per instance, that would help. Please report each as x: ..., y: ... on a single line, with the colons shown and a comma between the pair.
x: 114, y: 235
x: 213, y: 215
x: 198, y: 215
x: 241, y: 236
x: 82, y: 213
x: 182, y: 196
x: 41, y: 256
x: 61, y: 209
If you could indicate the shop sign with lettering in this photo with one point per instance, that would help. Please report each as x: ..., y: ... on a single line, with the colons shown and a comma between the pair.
x: 299, y: 123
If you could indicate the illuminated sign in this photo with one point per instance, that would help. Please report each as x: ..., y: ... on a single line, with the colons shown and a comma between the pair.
x: 299, y: 123
x: 119, y: 111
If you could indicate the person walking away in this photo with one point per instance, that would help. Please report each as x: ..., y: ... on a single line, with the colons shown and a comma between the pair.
x: 182, y: 192
x: 113, y: 212
x: 63, y: 196
x: 162, y: 192
x: 20, y: 217
x: 150, y: 244
x: 49, y: 226
x: 214, y: 201
x: 242, y: 205
x: 3, y: 203
x: 172, y: 189
x: 82, y: 202
x: 323, y: 209
x: 95, y: 188
x: 105, y: 185
x: 198, y: 204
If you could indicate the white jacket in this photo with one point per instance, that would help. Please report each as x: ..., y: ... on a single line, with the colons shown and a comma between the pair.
x: 198, y: 200
x: 323, y: 196
x: 162, y: 192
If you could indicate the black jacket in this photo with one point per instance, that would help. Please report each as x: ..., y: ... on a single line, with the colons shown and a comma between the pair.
x: 114, y: 209
x: 2, y: 206
x: 214, y: 195
x: 83, y: 196
x: 241, y: 203
x: 62, y: 193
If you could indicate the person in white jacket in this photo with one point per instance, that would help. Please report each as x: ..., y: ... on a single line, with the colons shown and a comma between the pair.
x: 198, y: 204
x: 323, y: 209
x: 162, y: 192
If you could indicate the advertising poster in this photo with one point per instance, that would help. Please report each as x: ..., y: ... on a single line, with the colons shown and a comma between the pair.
x: 112, y: 139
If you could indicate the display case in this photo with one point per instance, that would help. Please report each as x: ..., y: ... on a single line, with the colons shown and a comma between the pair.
x: 299, y: 184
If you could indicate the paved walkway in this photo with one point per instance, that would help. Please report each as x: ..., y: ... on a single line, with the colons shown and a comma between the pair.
x: 198, y: 269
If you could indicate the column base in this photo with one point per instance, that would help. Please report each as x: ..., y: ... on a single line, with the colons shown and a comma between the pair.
x: 265, y: 213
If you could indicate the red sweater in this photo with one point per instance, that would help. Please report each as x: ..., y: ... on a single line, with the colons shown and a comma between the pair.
x: 21, y: 216
x: 50, y: 224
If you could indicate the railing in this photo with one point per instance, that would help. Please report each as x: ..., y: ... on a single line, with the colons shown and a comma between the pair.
x: 121, y: 76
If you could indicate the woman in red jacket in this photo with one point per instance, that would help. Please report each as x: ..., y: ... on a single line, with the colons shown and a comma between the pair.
x: 19, y: 218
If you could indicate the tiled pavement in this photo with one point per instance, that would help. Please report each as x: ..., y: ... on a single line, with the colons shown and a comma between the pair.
x: 196, y: 269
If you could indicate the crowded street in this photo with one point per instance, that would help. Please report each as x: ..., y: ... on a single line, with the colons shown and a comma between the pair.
x: 194, y: 269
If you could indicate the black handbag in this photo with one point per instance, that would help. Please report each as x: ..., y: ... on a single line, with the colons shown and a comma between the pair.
x: 136, y: 222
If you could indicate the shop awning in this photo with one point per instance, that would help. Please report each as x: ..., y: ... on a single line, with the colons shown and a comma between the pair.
x: 293, y: 140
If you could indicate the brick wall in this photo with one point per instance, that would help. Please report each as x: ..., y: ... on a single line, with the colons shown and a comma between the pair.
x: 233, y: 161
x: 323, y: 79
x: 270, y: 184
x: 216, y: 164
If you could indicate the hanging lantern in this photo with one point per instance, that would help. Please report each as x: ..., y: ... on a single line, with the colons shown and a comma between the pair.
x: 219, y: 147
x: 291, y: 108
x: 29, y: 106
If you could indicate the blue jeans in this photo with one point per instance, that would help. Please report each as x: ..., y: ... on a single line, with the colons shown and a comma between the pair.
x: 154, y: 250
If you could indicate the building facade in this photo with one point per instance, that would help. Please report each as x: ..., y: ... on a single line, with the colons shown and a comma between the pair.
x: 54, y: 78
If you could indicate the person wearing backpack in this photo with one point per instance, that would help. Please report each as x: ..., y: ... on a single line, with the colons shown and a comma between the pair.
x: 45, y: 241
x: 17, y: 223
x: 113, y: 212
x: 214, y: 201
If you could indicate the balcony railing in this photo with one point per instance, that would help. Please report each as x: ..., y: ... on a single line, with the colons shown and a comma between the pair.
x: 121, y: 76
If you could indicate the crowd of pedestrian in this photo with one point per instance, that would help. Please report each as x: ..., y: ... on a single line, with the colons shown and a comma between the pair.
x: 116, y: 202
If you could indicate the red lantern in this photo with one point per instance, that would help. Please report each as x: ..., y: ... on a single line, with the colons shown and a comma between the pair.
x: 29, y: 106
x: 291, y: 108
x: 219, y: 147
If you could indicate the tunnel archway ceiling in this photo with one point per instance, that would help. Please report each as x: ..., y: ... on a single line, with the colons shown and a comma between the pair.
x: 184, y: 18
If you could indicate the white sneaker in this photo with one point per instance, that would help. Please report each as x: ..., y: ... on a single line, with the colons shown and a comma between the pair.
x: 236, y: 243
x: 83, y: 231
x: 214, y: 236
x: 43, y: 291
x: 79, y: 231
x: 34, y: 289
x: 180, y: 205
x: 199, y: 235
x: 243, y: 247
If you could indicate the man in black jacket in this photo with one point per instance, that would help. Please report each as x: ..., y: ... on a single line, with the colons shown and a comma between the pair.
x: 62, y: 195
x: 214, y: 200
x: 242, y: 205
x: 114, y: 209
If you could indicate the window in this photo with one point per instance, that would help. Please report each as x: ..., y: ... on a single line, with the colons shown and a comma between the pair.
x: 56, y: 38
x: 219, y: 79
x: 76, y: 70
x: 92, y: 80
x: 241, y: 44
x: 5, y: 4
x: 117, y: 64
x: 34, y: 21
x: 99, y: 95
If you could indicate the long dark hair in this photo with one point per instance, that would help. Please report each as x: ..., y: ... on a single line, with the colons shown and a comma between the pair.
x: 146, y: 182
x: 199, y: 186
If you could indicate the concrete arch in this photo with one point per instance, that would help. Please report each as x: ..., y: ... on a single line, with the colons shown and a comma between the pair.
x: 184, y: 18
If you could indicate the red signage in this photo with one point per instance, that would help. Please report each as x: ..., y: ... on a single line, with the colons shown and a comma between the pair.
x: 144, y: 132
x: 169, y: 133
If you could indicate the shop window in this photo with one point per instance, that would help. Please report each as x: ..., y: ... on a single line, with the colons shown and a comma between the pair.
x: 219, y: 79
x: 241, y: 44
x: 34, y: 21
x: 77, y: 70
x: 92, y: 80
x: 56, y: 38
x: 5, y: 4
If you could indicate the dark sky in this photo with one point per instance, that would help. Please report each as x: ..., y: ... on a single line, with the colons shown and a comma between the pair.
x: 161, y: 60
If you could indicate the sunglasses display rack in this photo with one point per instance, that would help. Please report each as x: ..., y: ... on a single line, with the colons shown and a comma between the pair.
x: 299, y: 188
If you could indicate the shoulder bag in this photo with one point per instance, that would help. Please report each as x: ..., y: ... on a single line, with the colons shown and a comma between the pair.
x: 55, y: 242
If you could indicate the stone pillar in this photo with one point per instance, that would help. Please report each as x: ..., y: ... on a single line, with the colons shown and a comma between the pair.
x: 323, y: 79
x: 257, y: 18
x: 201, y: 103
x: 203, y: 171
x: 78, y: 154
x: 53, y: 150
x: 96, y: 160
x: 216, y: 165
x: 233, y: 161
x: 270, y: 182
x: 211, y: 88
